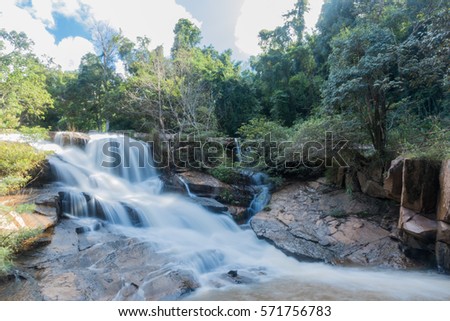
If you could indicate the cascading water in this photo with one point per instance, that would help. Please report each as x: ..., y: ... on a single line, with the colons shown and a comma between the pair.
x: 262, y: 195
x: 208, y: 244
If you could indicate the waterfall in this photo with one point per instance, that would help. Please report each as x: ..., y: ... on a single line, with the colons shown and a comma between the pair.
x: 186, y: 187
x: 261, y: 185
x: 238, y: 150
x: 113, y: 180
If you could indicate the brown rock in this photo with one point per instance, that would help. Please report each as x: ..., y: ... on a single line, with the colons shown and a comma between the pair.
x: 394, y: 180
x: 305, y: 223
x: 421, y: 227
x: 205, y: 185
x: 443, y: 207
x: 370, y: 187
x: 420, y: 185
x: 405, y: 216
x: 443, y: 233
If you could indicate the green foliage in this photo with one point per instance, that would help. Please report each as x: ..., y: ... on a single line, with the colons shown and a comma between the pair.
x: 259, y: 128
x: 11, y: 243
x: 25, y: 208
x: 23, y: 95
x: 225, y: 174
x: 187, y: 36
x: 34, y: 133
x: 17, y: 161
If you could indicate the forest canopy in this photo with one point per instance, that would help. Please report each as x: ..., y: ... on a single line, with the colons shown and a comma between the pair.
x: 376, y: 71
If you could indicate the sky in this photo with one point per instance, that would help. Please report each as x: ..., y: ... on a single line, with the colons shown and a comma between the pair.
x: 60, y: 29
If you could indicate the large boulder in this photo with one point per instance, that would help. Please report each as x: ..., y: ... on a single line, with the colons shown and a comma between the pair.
x: 443, y: 232
x: 420, y: 185
x: 393, y: 183
x: 443, y: 207
x: 417, y: 225
x: 370, y: 187
x: 70, y: 138
x: 202, y: 184
x: 310, y: 222
x: 210, y: 204
x: 443, y: 256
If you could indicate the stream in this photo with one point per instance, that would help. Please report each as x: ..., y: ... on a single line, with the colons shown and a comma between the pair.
x: 109, y: 182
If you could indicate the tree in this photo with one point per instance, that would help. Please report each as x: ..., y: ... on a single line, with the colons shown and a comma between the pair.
x: 23, y: 94
x: 285, y: 73
x: 362, y: 80
x: 187, y: 36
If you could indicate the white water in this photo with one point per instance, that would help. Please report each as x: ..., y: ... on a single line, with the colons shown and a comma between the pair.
x: 209, y: 244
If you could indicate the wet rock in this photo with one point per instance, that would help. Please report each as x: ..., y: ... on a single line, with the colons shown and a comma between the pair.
x: 304, y: 223
x: 70, y: 139
x: 393, y: 182
x: 98, y: 265
x: 443, y: 256
x: 169, y: 286
x: 204, y: 185
x: 210, y: 204
x: 420, y: 185
x: 233, y: 273
x: 443, y: 207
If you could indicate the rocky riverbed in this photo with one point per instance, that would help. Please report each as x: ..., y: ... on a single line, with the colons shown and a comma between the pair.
x: 90, y: 262
x: 314, y: 221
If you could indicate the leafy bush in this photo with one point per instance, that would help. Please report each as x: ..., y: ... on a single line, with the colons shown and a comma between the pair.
x: 225, y: 174
x: 12, y: 243
x: 35, y: 133
x: 258, y: 128
x: 17, y: 161
x: 416, y: 137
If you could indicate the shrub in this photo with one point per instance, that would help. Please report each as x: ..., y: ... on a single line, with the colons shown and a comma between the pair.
x: 12, y: 243
x: 17, y: 161
x: 225, y: 174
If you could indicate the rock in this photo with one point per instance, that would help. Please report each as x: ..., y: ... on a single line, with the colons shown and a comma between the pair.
x: 46, y: 211
x: 233, y: 273
x: 405, y: 216
x: 421, y: 227
x: 393, y: 182
x: 96, y: 266
x: 300, y: 222
x: 202, y: 184
x: 169, y: 286
x: 70, y: 139
x: 443, y: 233
x: 370, y: 187
x: 443, y: 207
x: 13, y: 221
x: 420, y: 185
x: 443, y: 256
x: 210, y: 204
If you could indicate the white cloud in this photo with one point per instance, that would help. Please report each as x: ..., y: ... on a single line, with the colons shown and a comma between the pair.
x: 70, y: 50
x: 155, y: 19
x: 67, y: 53
x: 257, y: 15
x: 311, y: 17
